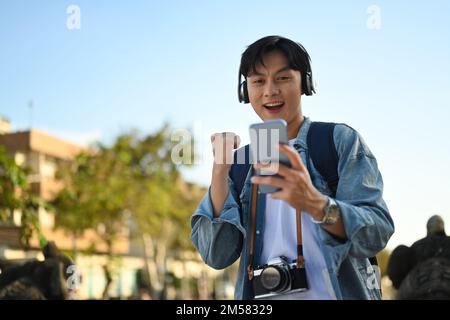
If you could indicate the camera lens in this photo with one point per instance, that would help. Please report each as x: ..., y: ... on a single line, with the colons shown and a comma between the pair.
x: 270, y: 278
x: 274, y: 279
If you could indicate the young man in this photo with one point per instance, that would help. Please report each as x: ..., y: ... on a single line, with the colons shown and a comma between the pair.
x: 340, y: 230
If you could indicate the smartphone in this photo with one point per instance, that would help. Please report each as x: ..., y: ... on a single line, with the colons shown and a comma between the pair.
x: 264, y: 137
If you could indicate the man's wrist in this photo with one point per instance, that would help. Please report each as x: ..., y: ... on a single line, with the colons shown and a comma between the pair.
x: 319, y: 211
x: 220, y: 170
x: 330, y: 213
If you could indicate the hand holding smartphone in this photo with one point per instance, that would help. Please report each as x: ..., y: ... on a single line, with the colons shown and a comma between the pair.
x: 264, y: 139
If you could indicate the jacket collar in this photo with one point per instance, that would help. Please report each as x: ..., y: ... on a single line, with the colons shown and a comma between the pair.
x: 301, y: 139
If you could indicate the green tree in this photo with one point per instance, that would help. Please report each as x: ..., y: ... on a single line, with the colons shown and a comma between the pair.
x: 16, y: 194
x: 133, y: 182
x: 160, y: 202
x: 72, y: 204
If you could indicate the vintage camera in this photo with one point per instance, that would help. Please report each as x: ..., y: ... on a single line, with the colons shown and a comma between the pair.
x: 278, y: 277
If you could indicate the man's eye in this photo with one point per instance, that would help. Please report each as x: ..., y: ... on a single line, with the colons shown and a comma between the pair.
x: 258, y: 81
x: 283, y: 78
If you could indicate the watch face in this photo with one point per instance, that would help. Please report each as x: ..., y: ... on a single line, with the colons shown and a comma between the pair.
x: 332, y: 213
x: 332, y: 218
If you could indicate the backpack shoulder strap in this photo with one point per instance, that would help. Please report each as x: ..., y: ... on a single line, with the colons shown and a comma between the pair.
x: 240, y: 167
x: 322, y: 151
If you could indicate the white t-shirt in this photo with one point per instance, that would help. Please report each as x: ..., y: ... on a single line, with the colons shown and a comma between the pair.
x: 280, y: 239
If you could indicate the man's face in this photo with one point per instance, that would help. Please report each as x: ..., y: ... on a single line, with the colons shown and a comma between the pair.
x: 274, y: 90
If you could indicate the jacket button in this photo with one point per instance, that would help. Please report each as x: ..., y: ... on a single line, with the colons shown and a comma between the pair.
x: 257, y: 231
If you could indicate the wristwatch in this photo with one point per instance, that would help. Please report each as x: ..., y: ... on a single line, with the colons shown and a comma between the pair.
x: 332, y: 213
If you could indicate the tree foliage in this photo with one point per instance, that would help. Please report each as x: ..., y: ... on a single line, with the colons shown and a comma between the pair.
x: 16, y: 194
x: 133, y: 182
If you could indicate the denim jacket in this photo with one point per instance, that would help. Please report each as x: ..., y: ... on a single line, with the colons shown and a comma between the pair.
x: 367, y: 222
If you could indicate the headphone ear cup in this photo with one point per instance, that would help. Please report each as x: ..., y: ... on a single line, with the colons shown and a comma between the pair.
x: 304, y: 85
x: 243, y: 92
x: 245, y: 97
x: 309, y: 85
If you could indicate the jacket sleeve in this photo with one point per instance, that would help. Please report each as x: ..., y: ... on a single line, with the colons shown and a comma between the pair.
x: 367, y: 222
x: 218, y: 240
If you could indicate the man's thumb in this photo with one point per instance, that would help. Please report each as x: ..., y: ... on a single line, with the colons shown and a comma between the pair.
x: 237, y: 141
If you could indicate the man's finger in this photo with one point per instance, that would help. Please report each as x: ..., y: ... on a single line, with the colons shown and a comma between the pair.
x: 276, y: 168
x: 272, y: 181
x: 279, y: 195
x: 237, y: 141
x: 293, y: 157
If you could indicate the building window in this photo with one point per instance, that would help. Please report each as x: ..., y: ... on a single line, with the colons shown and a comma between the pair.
x: 20, y: 159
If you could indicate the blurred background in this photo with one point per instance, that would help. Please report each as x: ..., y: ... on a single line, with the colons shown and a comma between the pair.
x: 97, y: 97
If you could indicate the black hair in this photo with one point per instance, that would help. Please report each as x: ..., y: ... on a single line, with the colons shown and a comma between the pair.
x: 295, y: 53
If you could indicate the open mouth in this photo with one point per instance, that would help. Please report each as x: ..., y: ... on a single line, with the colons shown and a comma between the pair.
x: 274, y: 107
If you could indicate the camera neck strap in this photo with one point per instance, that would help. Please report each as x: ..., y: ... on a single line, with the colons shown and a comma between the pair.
x: 300, y: 258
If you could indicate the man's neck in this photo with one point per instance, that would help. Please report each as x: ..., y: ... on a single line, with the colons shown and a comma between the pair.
x: 294, y: 126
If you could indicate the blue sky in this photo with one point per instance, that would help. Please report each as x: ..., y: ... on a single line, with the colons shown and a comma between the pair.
x: 136, y: 64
